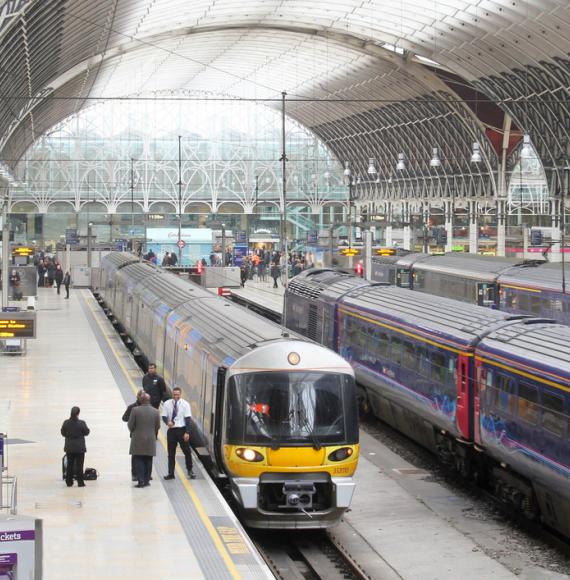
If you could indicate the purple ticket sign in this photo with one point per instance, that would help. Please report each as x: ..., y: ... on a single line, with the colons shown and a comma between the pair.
x: 8, y: 559
x: 17, y: 536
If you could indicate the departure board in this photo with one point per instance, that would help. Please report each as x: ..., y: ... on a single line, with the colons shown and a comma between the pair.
x: 17, y: 325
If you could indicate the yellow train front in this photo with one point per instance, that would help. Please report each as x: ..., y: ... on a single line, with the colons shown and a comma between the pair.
x: 290, y: 435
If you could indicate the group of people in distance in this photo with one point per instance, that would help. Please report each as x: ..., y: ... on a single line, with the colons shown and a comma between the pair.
x: 50, y: 272
x: 143, y: 420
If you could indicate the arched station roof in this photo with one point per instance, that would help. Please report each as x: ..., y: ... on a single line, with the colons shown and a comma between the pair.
x: 372, y: 78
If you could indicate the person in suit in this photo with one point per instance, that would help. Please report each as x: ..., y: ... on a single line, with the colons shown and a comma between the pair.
x: 154, y: 385
x: 74, y: 430
x: 126, y: 417
x: 58, y: 277
x: 144, y: 424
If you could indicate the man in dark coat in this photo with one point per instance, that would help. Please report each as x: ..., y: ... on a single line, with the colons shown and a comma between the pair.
x: 154, y: 385
x: 144, y: 424
x: 126, y: 417
x: 275, y: 273
x: 51, y: 274
x: 74, y: 430
x: 66, y: 283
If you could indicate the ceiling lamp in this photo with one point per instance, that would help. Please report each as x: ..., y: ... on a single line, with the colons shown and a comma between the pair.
x: 347, y: 171
x: 371, y: 168
x: 476, y: 155
x: 401, y: 162
x: 526, y: 152
x: 435, y: 162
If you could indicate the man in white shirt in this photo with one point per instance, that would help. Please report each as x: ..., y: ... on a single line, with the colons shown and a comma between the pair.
x: 177, y: 416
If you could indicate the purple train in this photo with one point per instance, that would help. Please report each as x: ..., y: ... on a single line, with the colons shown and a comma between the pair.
x: 489, y: 391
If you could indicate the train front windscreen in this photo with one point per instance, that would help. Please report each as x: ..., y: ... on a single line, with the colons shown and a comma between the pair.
x: 292, y: 409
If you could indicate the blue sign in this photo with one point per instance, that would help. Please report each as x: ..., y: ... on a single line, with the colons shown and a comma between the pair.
x: 71, y: 237
x: 240, y: 252
x: 241, y: 237
x: 312, y: 237
x: 121, y: 245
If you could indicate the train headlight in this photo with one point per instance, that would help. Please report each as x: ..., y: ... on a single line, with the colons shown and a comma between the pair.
x: 341, y: 454
x: 294, y: 358
x: 249, y: 454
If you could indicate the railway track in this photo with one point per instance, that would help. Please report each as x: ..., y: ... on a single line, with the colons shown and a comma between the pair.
x: 307, y: 556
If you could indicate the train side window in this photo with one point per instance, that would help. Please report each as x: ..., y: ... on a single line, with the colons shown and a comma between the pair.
x: 410, y: 359
x: 438, y: 369
x: 528, y: 403
x: 396, y: 350
x: 382, y: 340
x: 452, y: 371
x: 553, y: 418
x: 505, y: 392
x: 535, y: 304
x: 524, y: 302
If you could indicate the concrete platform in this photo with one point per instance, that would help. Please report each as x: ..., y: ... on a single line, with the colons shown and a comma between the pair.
x: 262, y: 294
x: 108, y: 529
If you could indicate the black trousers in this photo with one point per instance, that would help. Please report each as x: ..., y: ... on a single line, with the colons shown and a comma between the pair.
x: 174, y: 437
x: 143, y: 467
x: 58, y: 284
x: 74, y: 466
x: 67, y: 290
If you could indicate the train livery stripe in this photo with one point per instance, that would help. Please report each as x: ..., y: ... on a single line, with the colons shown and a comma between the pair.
x: 524, y: 373
x: 523, y: 288
x: 181, y: 476
x: 414, y: 335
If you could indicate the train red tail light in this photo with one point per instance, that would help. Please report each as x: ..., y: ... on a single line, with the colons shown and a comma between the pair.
x: 200, y: 268
x: 359, y: 269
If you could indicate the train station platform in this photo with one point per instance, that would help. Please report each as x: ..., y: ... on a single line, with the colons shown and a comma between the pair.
x: 109, y: 529
x: 262, y: 297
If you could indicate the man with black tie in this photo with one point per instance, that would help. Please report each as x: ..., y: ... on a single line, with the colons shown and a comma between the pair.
x: 177, y: 416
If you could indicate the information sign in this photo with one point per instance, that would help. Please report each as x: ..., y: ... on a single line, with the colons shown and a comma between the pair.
x: 181, y: 244
x: 312, y: 237
x: 71, y: 237
x: 241, y: 237
x: 17, y: 325
x: 350, y: 252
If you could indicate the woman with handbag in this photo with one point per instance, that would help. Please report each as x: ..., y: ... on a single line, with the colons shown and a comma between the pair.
x: 74, y: 430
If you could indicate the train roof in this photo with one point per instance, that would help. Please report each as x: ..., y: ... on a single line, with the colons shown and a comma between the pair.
x: 440, y: 316
x: 117, y: 260
x: 466, y: 265
x: 546, y: 344
x: 544, y: 277
x: 319, y: 283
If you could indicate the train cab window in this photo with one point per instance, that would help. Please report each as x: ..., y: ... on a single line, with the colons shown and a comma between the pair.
x: 396, y: 350
x: 528, y: 403
x: 553, y: 417
x: 524, y: 303
x: 512, y: 300
x: 280, y: 408
x: 505, y: 394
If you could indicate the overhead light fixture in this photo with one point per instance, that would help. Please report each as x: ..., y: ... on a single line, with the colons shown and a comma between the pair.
x: 371, y: 167
x: 327, y: 175
x: 435, y: 162
x: 401, y: 162
x: 526, y: 152
x: 476, y: 155
x: 347, y: 172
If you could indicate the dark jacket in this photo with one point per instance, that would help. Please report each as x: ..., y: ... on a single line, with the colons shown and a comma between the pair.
x: 127, y: 413
x: 144, y: 424
x: 74, y: 432
x: 51, y: 271
x: 67, y: 280
x: 155, y: 386
x: 59, y: 276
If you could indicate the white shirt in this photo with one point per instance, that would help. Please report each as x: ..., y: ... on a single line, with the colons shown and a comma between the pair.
x: 181, y: 414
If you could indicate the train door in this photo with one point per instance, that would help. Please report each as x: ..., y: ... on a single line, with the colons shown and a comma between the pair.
x: 487, y: 294
x: 217, y: 418
x: 462, y: 415
x: 171, y: 362
x: 403, y: 278
x: 478, y: 394
x: 205, y: 392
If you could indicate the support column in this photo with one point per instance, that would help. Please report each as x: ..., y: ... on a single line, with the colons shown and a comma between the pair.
x: 501, y: 228
x: 449, y: 209
x: 5, y: 254
x: 388, y: 236
x: 555, y: 251
x: 368, y: 254
x: 473, y: 228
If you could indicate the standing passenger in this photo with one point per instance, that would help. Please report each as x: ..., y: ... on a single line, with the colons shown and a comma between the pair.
x: 74, y: 430
x: 144, y: 424
x: 275, y: 273
x: 154, y: 385
x: 126, y: 417
x: 177, y: 416
x: 58, y: 277
x: 166, y: 260
x: 66, y: 283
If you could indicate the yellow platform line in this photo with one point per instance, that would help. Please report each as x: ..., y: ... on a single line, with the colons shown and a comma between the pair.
x: 189, y: 489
